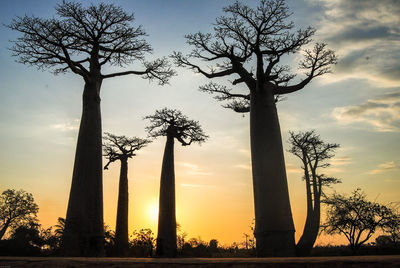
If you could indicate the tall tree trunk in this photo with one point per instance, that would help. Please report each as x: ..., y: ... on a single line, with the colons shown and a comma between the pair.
x: 274, y: 228
x: 166, y: 238
x: 307, y: 239
x: 121, y: 229
x: 4, y: 229
x: 84, y: 228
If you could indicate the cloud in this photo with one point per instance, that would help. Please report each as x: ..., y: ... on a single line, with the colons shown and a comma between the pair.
x: 242, y: 166
x: 384, y: 167
x: 68, y: 126
x: 382, y: 113
x: 366, y: 36
x: 193, y: 169
x: 292, y: 169
x: 340, y: 161
x: 197, y: 185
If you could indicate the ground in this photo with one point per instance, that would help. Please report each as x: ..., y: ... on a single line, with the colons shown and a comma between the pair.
x: 348, y: 261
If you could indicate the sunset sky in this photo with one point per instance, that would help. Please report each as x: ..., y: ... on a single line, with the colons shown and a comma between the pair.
x: 357, y: 106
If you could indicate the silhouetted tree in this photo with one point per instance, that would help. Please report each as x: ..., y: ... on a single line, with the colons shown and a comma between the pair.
x: 83, y: 40
x: 16, y: 209
x: 313, y: 152
x: 122, y: 148
x: 144, y: 241
x: 355, y: 217
x: 174, y: 125
x: 60, y: 227
x: 249, y: 43
x: 392, y: 226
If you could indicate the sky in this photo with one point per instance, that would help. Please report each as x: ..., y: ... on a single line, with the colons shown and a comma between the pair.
x: 357, y: 106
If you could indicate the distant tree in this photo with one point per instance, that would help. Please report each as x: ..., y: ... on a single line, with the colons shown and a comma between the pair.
x: 250, y: 43
x: 144, y: 239
x: 213, y: 245
x: 83, y: 40
x: 59, y: 227
x: 355, y: 217
x: 174, y: 125
x: 16, y: 209
x: 121, y: 148
x: 313, y: 153
x: 392, y: 226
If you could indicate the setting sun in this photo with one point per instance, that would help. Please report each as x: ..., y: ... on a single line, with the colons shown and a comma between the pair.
x: 152, y: 211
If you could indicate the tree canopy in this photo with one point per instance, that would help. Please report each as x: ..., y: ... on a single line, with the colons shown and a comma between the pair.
x: 249, y: 43
x: 118, y: 147
x: 16, y: 208
x: 81, y: 38
x: 355, y: 217
x: 166, y: 122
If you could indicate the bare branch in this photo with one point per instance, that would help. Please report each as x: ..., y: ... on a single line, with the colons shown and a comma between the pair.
x: 169, y: 122
x: 121, y: 147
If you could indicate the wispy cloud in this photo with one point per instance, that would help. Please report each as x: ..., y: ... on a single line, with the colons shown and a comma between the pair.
x: 197, y: 185
x: 67, y: 126
x: 387, y: 166
x: 292, y: 169
x: 383, y: 113
x: 340, y: 161
x: 366, y: 36
x: 243, y: 166
x: 193, y: 169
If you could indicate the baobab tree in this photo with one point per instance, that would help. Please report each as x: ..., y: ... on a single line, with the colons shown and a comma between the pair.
x: 174, y: 125
x: 313, y: 153
x: 82, y: 40
x: 249, y: 44
x: 121, y: 148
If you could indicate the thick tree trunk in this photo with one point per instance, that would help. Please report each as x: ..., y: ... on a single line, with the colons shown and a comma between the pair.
x: 166, y: 238
x: 4, y: 229
x: 121, y: 229
x: 84, y: 228
x: 274, y: 229
x: 307, y: 239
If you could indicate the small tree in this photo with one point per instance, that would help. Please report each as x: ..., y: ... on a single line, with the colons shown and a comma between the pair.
x: 122, y: 148
x: 249, y: 43
x: 16, y: 209
x: 174, y: 125
x: 355, y: 217
x: 313, y: 153
x: 83, y: 40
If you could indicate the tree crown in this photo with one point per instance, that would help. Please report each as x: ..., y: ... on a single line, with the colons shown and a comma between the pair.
x: 170, y: 122
x: 260, y: 36
x: 82, y: 39
x: 354, y: 215
x: 17, y: 208
x: 121, y: 147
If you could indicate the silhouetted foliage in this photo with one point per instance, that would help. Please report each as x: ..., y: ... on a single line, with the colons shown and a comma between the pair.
x: 355, y: 217
x: 82, y: 40
x: 313, y: 153
x: 121, y: 147
x: 16, y: 208
x: 142, y: 243
x: 249, y: 44
x: 166, y: 122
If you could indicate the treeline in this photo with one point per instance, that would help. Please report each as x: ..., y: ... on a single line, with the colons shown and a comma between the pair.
x: 26, y: 237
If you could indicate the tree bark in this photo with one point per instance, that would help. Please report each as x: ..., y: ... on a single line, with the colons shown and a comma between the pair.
x: 307, y: 239
x: 4, y: 229
x: 166, y: 238
x: 274, y: 228
x: 84, y: 228
x: 121, y: 229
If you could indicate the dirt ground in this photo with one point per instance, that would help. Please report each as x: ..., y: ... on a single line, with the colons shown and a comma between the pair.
x: 348, y: 261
